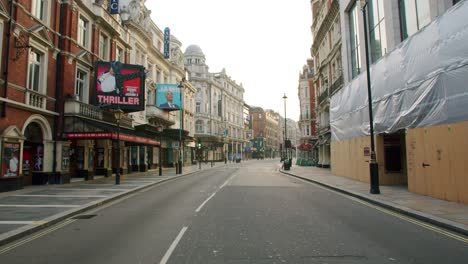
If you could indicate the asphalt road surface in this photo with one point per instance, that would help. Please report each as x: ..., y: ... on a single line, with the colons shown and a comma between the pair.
x: 237, y: 214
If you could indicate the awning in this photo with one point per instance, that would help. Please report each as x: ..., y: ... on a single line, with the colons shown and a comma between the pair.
x: 111, y: 135
x: 83, y: 128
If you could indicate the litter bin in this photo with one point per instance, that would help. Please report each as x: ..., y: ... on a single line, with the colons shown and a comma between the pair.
x: 287, y: 164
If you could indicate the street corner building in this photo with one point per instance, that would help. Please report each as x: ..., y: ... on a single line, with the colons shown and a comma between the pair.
x: 55, y: 124
x: 419, y: 71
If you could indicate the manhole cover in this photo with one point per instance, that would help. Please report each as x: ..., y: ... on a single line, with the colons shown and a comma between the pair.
x: 83, y: 216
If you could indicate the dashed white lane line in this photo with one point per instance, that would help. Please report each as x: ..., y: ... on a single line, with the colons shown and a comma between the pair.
x: 173, y: 246
x: 211, y: 196
x: 201, y: 205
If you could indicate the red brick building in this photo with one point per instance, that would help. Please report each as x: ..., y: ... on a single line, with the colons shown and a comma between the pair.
x: 48, y: 49
x: 307, y: 120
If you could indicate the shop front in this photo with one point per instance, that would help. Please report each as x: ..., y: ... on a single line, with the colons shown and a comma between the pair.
x: 97, y: 148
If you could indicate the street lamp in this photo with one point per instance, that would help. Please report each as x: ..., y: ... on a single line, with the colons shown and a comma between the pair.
x: 160, y: 131
x: 285, y: 159
x: 285, y: 131
x: 181, y: 127
x: 373, y: 165
x: 118, y: 114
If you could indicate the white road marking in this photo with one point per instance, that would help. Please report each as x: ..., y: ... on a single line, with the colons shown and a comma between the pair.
x: 40, y: 205
x: 390, y: 212
x: 112, y: 190
x: 35, y: 236
x: 17, y: 222
x: 173, y: 246
x: 201, y: 205
x: 61, y: 196
x: 211, y: 196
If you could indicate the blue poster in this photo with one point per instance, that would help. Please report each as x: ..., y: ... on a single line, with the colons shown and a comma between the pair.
x: 168, y: 97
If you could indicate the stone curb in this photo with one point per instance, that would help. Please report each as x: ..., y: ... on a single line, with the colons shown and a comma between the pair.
x: 434, y: 220
x: 26, y: 230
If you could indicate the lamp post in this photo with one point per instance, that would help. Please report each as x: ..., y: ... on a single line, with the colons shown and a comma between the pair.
x: 285, y: 128
x: 181, y: 127
x: 118, y: 114
x: 160, y: 130
x: 373, y: 165
x: 225, y: 146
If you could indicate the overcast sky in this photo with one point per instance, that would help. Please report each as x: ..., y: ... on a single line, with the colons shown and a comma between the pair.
x: 263, y: 44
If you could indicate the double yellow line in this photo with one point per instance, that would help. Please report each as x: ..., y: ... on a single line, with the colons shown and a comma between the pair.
x: 412, y: 220
x: 35, y: 236
x: 398, y: 215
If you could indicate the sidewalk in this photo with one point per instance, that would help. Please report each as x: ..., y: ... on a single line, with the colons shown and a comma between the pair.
x: 445, y: 214
x: 33, y: 208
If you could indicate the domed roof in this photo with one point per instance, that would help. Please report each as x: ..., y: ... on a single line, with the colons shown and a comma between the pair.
x: 193, y: 50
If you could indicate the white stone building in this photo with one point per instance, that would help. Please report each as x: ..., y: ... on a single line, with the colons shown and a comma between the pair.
x: 219, y: 106
x: 326, y: 51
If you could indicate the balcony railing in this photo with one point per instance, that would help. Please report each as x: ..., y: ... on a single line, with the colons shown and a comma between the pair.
x: 336, y: 85
x: 35, y: 99
x: 74, y: 107
x: 323, y: 96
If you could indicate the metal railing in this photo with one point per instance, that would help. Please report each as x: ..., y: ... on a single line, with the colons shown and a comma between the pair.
x: 336, y: 85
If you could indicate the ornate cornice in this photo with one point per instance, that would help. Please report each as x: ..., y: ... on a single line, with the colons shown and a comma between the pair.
x: 326, y: 25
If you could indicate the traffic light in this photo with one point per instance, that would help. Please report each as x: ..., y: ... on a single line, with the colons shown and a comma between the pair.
x: 199, y: 144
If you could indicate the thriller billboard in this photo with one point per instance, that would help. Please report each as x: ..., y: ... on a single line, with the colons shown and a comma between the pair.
x: 119, y: 85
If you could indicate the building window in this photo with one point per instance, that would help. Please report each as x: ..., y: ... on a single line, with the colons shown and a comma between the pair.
x: 199, y: 126
x: 80, y: 83
x: 377, y: 34
x: 414, y: 15
x: 83, y: 25
x: 35, y: 71
x: 120, y: 56
x: 38, y: 8
x: 197, y: 107
x: 354, y: 40
x: 103, y: 47
x: 158, y: 76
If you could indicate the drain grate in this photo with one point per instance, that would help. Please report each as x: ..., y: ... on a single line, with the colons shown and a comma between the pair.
x: 84, y: 216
